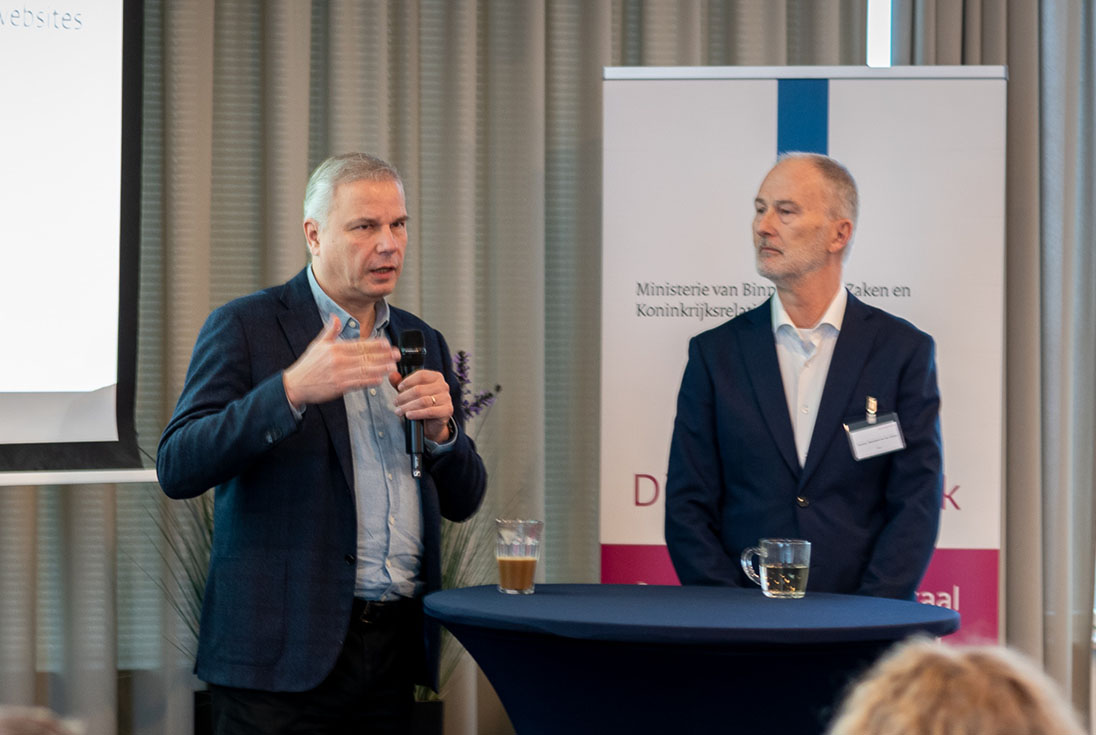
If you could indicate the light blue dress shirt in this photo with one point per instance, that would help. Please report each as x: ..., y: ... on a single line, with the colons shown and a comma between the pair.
x: 389, y: 507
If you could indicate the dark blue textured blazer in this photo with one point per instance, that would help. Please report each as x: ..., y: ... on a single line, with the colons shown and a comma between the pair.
x: 734, y: 474
x: 281, y: 577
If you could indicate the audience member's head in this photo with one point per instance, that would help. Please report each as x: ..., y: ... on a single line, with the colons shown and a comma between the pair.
x: 35, y: 721
x: 924, y: 687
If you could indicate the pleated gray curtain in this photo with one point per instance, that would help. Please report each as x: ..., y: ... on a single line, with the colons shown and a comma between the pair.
x: 1050, y: 304
x: 492, y: 111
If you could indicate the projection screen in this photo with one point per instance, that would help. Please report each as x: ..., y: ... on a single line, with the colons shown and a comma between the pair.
x: 69, y: 198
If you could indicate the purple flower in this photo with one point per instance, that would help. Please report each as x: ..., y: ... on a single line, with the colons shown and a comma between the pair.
x: 472, y: 403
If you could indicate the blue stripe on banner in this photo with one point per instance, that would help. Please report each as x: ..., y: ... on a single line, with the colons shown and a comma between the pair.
x: 802, y: 115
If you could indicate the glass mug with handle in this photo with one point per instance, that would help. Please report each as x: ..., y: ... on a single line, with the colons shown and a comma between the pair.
x: 785, y: 564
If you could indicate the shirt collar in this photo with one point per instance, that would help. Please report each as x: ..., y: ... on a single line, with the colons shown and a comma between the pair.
x: 834, y: 314
x: 350, y: 327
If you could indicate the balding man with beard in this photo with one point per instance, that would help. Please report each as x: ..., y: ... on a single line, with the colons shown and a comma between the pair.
x: 767, y: 441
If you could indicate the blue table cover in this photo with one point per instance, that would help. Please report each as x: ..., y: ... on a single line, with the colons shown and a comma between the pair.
x: 654, y: 659
x: 666, y: 614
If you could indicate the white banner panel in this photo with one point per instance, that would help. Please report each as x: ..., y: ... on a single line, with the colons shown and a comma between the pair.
x: 684, y: 153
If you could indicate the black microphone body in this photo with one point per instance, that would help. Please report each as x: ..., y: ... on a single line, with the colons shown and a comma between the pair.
x: 412, y: 358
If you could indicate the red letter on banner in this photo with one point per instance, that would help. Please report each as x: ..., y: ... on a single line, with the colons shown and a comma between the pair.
x: 949, y: 497
x: 653, y: 482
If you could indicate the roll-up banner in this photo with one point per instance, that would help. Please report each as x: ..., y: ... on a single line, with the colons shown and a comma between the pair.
x: 685, y: 150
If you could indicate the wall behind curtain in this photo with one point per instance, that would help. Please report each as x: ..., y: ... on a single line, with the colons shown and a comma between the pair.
x: 492, y: 111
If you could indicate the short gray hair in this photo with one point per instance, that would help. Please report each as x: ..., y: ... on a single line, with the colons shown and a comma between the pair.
x: 845, y: 200
x: 343, y: 169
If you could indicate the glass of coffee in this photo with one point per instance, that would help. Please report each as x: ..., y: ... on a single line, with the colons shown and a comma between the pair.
x: 517, y: 548
x: 785, y: 564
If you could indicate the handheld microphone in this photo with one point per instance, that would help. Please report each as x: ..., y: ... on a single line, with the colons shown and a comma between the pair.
x: 412, y: 358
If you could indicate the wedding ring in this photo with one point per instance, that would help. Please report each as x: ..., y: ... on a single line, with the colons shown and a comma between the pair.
x: 434, y: 399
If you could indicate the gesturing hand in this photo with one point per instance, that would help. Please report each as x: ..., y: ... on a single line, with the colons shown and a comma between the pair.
x: 331, y: 367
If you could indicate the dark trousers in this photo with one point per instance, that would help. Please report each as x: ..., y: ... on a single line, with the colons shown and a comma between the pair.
x: 370, y: 690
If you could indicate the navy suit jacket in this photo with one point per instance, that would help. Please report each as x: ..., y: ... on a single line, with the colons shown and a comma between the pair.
x: 277, y: 601
x: 734, y: 475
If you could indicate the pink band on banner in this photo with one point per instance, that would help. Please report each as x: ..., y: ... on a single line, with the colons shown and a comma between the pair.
x: 636, y: 564
x: 964, y: 580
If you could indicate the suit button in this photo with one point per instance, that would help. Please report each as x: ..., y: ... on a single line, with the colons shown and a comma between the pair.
x: 802, y: 502
x: 349, y: 559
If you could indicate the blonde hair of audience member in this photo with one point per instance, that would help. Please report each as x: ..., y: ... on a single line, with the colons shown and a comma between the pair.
x: 929, y: 688
x: 16, y: 720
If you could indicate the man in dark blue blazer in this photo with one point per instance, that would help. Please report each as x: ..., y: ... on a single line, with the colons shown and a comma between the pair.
x: 760, y: 447
x: 324, y: 542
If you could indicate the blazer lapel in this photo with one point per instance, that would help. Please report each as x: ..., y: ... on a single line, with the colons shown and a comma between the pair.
x: 301, y: 323
x: 850, y: 355
x: 758, y: 348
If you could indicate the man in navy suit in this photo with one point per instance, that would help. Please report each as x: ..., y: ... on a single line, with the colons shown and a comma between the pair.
x: 324, y: 541
x: 760, y: 446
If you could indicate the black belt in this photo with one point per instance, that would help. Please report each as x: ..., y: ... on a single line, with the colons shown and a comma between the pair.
x: 386, y: 612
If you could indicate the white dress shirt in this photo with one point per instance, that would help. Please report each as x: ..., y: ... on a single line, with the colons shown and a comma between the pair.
x: 804, y: 355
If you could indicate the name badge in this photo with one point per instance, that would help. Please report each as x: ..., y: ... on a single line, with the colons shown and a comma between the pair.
x: 877, y: 434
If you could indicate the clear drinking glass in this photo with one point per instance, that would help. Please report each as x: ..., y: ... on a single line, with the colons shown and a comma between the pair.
x: 517, y: 548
